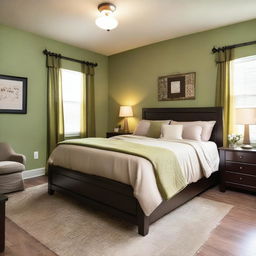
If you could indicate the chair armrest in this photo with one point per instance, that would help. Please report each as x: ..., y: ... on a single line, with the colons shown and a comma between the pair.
x: 18, y: 158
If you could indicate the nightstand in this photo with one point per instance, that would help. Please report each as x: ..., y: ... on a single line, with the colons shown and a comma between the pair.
x: 112, y: 134
x: 238, y: 169
x: 3, y: 199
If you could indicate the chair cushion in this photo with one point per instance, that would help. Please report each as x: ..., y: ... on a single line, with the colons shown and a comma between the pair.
x: 7, y: 167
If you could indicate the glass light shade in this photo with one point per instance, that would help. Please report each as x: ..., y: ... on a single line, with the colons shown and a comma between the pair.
x: 106, y: 22
x: 125, y: 111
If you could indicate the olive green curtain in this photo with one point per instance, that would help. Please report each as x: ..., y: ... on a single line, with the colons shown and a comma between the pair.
x: 88, y: 103
x: 55, y: 118
x: 224, y: 90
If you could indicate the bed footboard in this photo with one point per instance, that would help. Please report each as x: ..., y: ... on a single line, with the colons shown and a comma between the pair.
x: 117, y: 198
x: 104, y: 194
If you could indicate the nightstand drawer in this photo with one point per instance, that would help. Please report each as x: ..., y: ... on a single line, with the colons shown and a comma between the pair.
x: 243, y: 179
x: 245, y: 157
x: 241, y: 168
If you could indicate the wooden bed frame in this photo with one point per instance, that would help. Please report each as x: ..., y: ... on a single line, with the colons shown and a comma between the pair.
x: 117, y: 198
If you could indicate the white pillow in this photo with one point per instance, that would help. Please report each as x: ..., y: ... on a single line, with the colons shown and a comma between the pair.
x: 207, y: 127
x: 171, y: 132
x: 192, y: 132
x: 142, y: 128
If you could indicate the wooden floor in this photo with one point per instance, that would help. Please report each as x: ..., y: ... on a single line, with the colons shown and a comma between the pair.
x: 235, y: 236
x: 19, y: 242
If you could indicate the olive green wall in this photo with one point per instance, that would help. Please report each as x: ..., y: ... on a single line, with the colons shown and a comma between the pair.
x: 21, y: 55
x: 133, y: 74
x: 132, y: 78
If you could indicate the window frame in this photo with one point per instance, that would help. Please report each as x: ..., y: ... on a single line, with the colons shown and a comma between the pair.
x: 239, y: 128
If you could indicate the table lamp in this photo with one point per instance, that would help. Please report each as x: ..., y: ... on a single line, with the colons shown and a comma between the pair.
x: 125, y: 111
x: 246, y: 116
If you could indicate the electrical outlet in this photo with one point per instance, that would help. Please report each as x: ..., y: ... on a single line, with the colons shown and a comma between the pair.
x: 36, y: 155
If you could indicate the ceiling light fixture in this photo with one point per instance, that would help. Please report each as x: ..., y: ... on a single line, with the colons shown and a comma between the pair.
x: 106, y: 21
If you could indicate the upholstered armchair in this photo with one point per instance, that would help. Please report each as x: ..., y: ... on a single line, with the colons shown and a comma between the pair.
x: 11, y: 167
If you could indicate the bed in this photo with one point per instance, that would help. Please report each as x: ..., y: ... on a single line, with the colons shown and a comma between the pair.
x: 118, y: 198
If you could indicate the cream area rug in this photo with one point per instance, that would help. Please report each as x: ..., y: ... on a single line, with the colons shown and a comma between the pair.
x: 71, y: 229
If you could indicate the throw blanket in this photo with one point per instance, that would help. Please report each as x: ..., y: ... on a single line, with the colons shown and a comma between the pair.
x: 207, y: 164
x: 169, y: 177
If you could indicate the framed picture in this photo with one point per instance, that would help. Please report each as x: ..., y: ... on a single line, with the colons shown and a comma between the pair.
x: 177, y: 87
x: 13, y: 94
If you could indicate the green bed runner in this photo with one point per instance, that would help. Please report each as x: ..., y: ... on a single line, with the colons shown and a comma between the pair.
x: 169, y: 177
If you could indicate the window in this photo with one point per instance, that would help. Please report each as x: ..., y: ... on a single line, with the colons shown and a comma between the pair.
x: 72, y: 82
x: 244, y: 77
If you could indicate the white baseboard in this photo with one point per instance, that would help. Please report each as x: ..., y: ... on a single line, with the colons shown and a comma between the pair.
x: 28, y: 174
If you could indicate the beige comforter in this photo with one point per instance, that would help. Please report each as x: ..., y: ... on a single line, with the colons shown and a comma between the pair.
x: 197, y: 159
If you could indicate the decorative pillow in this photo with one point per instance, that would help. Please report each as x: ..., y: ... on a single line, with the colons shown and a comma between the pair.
x: 207, y: 127
x: 155, y: 128
x: 192, y: 132
x: 172, y: 132
x: 142, y: 128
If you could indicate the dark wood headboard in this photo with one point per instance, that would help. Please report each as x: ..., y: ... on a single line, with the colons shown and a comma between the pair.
x: 190, y: 114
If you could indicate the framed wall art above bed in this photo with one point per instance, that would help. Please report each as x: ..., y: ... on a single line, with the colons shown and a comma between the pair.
x: 177, y: 87
x: 13, y: 94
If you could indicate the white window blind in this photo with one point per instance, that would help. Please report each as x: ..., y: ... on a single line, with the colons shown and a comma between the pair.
x: 72, y: 82
x: 244, y: 78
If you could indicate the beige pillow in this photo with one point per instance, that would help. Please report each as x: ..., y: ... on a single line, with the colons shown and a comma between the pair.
x: 207, y: 127
x: 155, y: 128
x: 142, y: 128
x: 171, y: 132
x: 191, y: 132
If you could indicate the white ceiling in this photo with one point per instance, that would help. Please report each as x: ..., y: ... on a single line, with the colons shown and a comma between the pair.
x: 141, y: 22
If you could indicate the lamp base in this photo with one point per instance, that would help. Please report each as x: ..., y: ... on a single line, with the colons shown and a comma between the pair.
x: 247, y: 146
x: 126, y: 125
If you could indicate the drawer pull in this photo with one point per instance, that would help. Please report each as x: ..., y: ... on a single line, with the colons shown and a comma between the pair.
x: 241, y: 168
x: 240, y: 157
x: 240, y: 178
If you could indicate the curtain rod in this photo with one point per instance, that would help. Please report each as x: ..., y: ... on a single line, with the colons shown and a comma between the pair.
x: 214, y: 50
x: 46, y: 52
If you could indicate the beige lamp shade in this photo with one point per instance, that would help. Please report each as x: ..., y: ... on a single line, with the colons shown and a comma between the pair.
x: 125, y: 111
x: 246, y: 116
